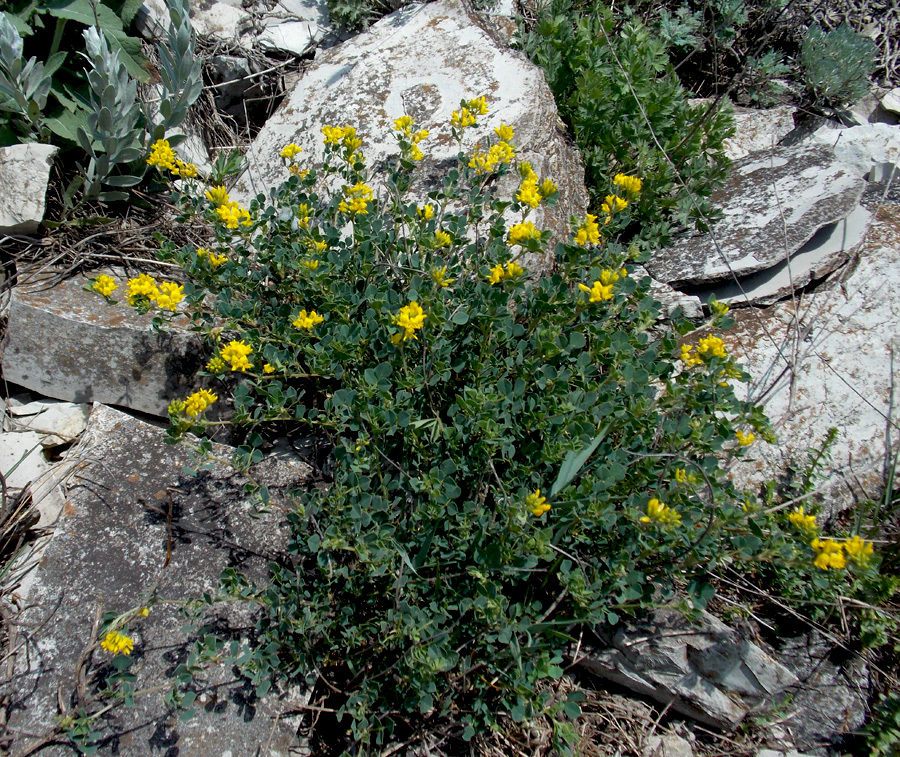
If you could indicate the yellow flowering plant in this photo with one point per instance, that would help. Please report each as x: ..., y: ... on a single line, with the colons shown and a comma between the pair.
x: 541, y: 440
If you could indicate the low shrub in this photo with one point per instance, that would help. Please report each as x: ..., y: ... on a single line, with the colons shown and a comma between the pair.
x: 513, y: 456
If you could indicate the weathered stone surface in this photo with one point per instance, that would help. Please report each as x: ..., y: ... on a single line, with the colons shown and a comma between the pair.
x: 758, y: 129
x: 668, y: 745
x: 826, y: 361
x: 862, y: 148
x: 218, y: 20
x: 23, y: 451
x: 422, y: 60
x: 891, y: 101
x: 24, y: 173
x: 59, y: 422
x: 831, y: 700
x: 294, y: 37
x: 70, y: 344
x: 830, y: 247
x: 773, y: 203
x: 671, y: 299
x: 134, y: 522
x: 707, y: 672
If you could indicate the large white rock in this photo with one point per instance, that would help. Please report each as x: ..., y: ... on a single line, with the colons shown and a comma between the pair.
x: 24, y: 173
x: 421, y: 61
x: 756, y: 129
x: 826, y: 361
x: 863, y: 147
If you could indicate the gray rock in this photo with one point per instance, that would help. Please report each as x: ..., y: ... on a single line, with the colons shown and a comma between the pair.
x: 829, y: 248
x: 706, y: 672
x: 293, y: 37
x: 24, y: 173
x: 671, y: 299
x: 22, y: 458
x: 218, y: 20
x: 831, y: 699
x: 303, y: 10
x: 862, y: 148
x: 421, y: 61
x: 70, y: 344
x: 891, y: 101
x: 668, y: 745
x: 773, y: 203
x: 758, y: 129
x: 134, y: 523
x: 61, y: 422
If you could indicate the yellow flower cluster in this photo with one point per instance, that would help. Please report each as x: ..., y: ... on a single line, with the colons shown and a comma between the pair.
x: 162, y: 155
x: 804, y: 523
x: 657, y: 512
x: 411, y: 318
x: 522, y: 232
x: 530, y: 192
x: 505, y: 133
x: 631, y: 184
x: 719, y: 308
x: 344, y: 136
x: 290, y: 151
x: 233, y: 215
x: 683, y: 477
x: 197, y: 402
x: 214, y: 260
x: 589, y: 231
x: 829, y: 554
x: 143, y: 289
x: 404, y: 125
x: 442, y: 238
x: 237, y: 353
x: 468, y: 113
x: 513, y: 271
x: 117, y: 643
x: 859, y: 550
x: 268, y: 368
x: 499, y: 154
x: 603, y: 289
x: 308, y: 320
x: 425, y: 212
x: 106, y: 285
x: 184, y: 170
x: 310, y: 264
x: 613, y: 204
x: 439, y: 275
x: 688, y: 358
x: 537, y: 504
x: 712, y: 346
x: 356, y: 199
x: 744, y: 439
x: 215, y: 365
x: 218, y: 196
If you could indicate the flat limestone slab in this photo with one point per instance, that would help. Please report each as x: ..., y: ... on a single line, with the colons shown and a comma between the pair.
x: 134, y: 521
x: 24, y: 173
x: 421, y: 61
x: 71, y: 345
x: 773, y: 203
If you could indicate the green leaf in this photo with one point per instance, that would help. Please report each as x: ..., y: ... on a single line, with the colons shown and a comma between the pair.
x: 574, y: 462
x: 460, y: 318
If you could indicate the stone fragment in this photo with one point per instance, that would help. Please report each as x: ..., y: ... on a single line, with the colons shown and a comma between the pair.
x: 831, y: 700
x: 668, y: 745
x: 891, y: 101
x: 69, y: 344
x: 61, y: 422
x: 293, y: 37
x: 862, y: 148
x: 773, y: 203
x: 422, y: 60
x: 22, y: 458
x: 24, y: 173
x: 218, y: 20
x: 135, y: 523
x: 827, y: 361
x: 758, y: 129
x: 830, y: 247
x: 705, y: 671
x: 315, y: 11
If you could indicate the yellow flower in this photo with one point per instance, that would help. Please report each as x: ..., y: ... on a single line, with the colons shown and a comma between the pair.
x: 404, y: 125
x: 598, y: 291
x: 859, y: 550
x: 169, y: 295
x: 478, y: 105
x: 117, y: 643
x: 440, y: 277
x: 237, y: 353
x: 500, y: 154
x: 202, y: 252
x: 411, y: 318
x: 522, y: 232
x: 268, y: 368
x: 529, y: 194
x: 504, y: 133
x: 310, y: 264
x: 681, y: 475
x: 218, y: 196
x: 106, y: 285
x: 661, y: 513
x: 630, y: 184
x: 463, y: 118
x: 233, y: 214
x: 442, y: 239
x: 526, y: 171
x: 744, y: 439
x: 537, y: 504
x: 689, y: 359
x: 513, y: 270
x: 613, y: 204
x: 308, y: 320
x: 830, y: 554
x: 713, y: 346
x: 297, y: 171
x: 333, y: 134
x: 804, y: 523
x: 184, y: 170
x: 496, y: 274
x: 215, y: 365
x: 144, y: 612
x: 548, y: 188
x: 142, y: 286
x: 289, y: 151
x: 320, y: 246
x: 358, y: 196
x: 216, y: 260
x: 162, y: 155
x: 426, y: 212
x: 197, y: 402
x: 719, y: 308
x: 589, y: 231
